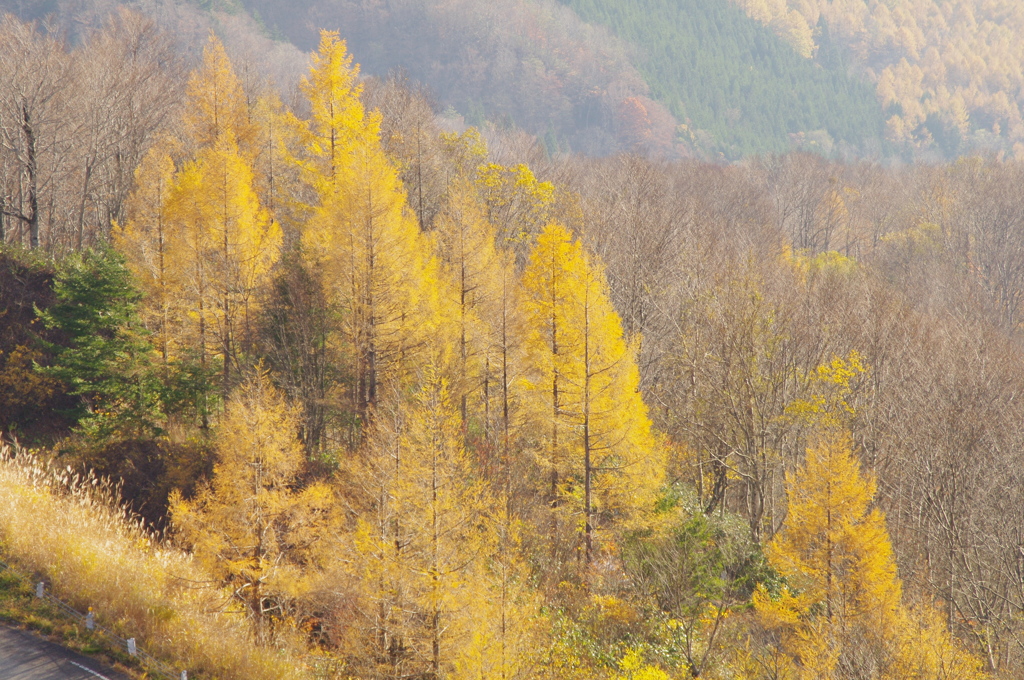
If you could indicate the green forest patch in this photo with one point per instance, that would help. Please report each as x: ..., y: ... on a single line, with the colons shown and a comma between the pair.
x: 738, y: 87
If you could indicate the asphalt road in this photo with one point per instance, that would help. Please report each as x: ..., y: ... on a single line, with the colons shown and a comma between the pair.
x: 23, y: 656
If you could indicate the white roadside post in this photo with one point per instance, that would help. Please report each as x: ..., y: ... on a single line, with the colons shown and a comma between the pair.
x: 39, y: 590
x: 131, y: 647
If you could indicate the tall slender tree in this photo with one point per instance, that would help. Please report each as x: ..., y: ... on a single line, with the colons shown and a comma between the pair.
x: 147, y: 243
x: 427, y: 546
x: 482, y: 277
x: 196, y: 234
x: 377, y: 266
x: 216, y: 105
x: 584, y: 383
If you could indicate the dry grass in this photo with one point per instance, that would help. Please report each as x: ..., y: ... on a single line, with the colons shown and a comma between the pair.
x: 67, y: 530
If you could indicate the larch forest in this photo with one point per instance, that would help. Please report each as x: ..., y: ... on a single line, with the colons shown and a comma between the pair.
x: 311, y: 373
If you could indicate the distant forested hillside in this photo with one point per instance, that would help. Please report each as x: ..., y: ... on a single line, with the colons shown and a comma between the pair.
x: 739, y: 88
x: 534, y: 65
x: 949, y: 72
x: 716, y: 79
x: 185, y: 24
x: 735, y: 86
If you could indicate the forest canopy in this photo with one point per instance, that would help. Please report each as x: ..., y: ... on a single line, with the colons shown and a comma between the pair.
x: 398, y: 396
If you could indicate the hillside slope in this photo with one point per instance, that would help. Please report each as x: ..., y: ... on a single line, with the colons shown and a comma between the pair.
x: 950, y: 73
x: 534, y: 65
x: 717, y: 78
x: 738, y: 87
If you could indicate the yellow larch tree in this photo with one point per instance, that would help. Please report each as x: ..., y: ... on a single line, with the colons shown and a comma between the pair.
x: 484, y: 296
x: 253, y: 526
x: 423, y: 546
x: 502, y: 631
x: 279, y: 179
x: 507, y: 352
x: 585, y: 386
x: 196, y: 234
x: 840, y: 609
x: 228, y: 245
x: 442, y: 505
x: 338, y: 123
x: 372, y: 552
x: 551, y: 337
x: 216, y: 105
x: 378, y: 268
x: 481, y: 266
x: 505, y: 630
x: 148, y: 244
x: 376, y: 265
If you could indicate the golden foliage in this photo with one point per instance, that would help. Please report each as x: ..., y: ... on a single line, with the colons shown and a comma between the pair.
x: 518, y: 205
x: 216, y: 106
x: 146, y: 240
x: 840, y: 609
x: 441, y: 584
x: 633, y: 668
x: 377, y: 266
x: 486, y: 297
x: 252, y: 527
x: 338, y: 124
x: 830, y: 404
x: 197, y: 237
x: 222, y: 246
x: 583, y: 384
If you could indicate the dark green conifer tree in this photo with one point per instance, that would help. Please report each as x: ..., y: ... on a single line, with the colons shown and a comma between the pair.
x: 104, y: 355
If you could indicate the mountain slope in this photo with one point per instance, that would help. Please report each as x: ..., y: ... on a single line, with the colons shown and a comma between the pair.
x: 533, y: 64
x: 740, y: 89
x: 720, y: 78
x: 949, y: 72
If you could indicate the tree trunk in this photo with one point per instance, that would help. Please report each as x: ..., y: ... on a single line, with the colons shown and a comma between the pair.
x: 588, y: 537
x: 33, y: 179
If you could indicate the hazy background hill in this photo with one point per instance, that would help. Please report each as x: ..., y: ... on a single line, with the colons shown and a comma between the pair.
x: 535, y: 65
x: 669, y: 77
x: 947, y: 71
x: 737, y: 87
x: 709, y: 78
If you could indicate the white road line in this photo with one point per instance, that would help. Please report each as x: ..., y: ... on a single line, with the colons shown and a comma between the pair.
x: 88, y: 670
